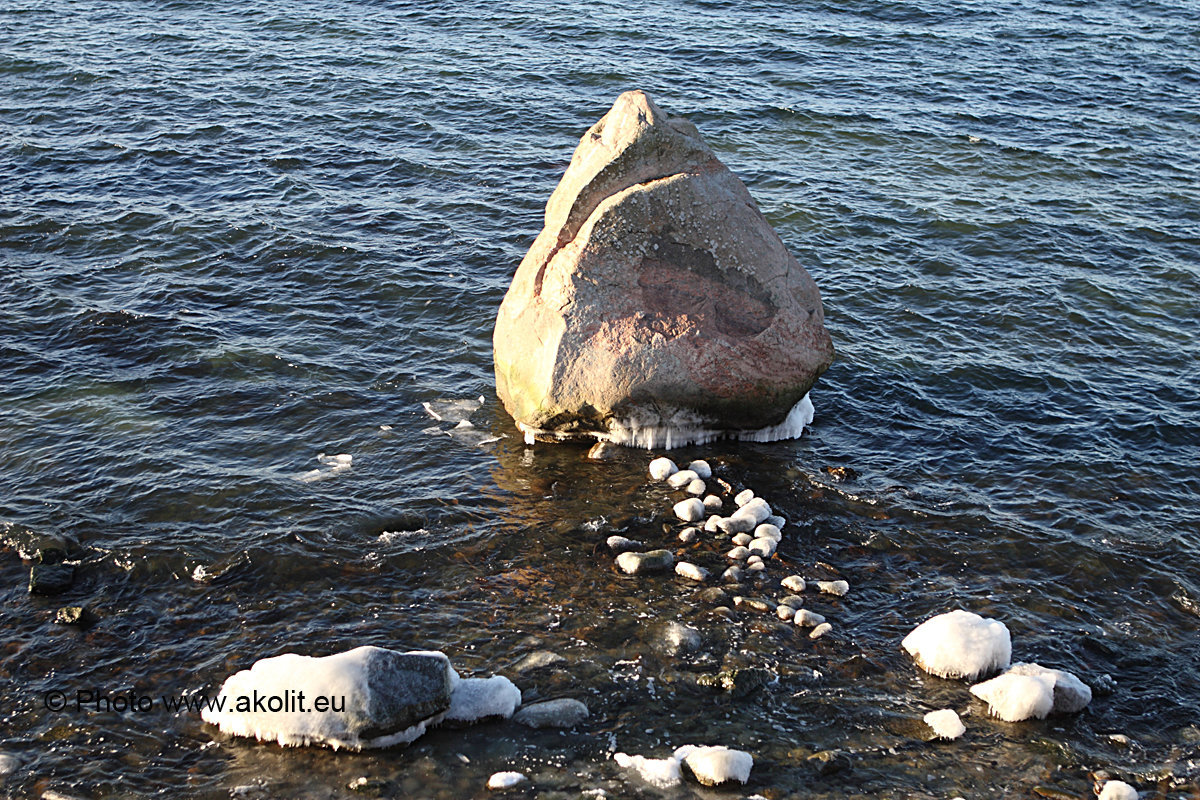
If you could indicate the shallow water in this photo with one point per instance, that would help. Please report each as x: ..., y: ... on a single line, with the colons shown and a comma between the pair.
x: 235, y: 239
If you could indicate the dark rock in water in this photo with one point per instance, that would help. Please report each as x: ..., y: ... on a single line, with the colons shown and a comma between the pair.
x: 404, y: 689
x: 715, y: 596
x: 8, y: 764
x: 642, y: 563
x: 370, y: 787
x: 738, y: 682
x: 829, y: 762
x: 538, y: 660
x: 563, y: 713
x: 47, y: 579
x: 657, y: 301
x: 1103, y: 685
x: 75, y: 615
x: 402, y: 522
x: 840, y: 473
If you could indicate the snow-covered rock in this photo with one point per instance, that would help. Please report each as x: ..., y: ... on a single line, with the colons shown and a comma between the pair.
x: 960, y: 644
x: 820, y: 630
x: 1071, y: 695
x: 690, y: 510
x: 686, y: 569
x: 757, y: 510
x: 682, y: 478
x: 1014, y: 698
x: 945, y: 723
x: 793, y: 583
x: 838, y: 588
x: 743, y: 497
x: 662, y: 773
x: 365, y: 697
x: 505, y: 780
x: 713, y: 766
x: 808, y: 619
x: 713, y: 503
x: 662, y: 468
x: 1118, y: 790
x: 475, y: 699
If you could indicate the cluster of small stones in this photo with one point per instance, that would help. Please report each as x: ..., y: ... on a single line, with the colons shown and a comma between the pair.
x: 749, y: 535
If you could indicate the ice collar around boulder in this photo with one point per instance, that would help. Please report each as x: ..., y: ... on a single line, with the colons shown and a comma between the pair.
x: 657, y: 307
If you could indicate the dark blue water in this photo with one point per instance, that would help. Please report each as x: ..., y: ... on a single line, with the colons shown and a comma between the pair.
x: 236, y: 236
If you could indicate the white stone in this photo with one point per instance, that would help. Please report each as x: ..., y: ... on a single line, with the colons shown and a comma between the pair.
x: 682, y: 478
x: 839, y: 588
x: 736, y: 524
x: 1118, y: 790
x: 808, y: 619
x: 763, y: 547
x: 795, y: 601
x: 733, y: 575
x: 776, y: 520
x: 701, y: 468
x: 793, y: 583
x: 689, y: 535
x: 690, y: 571
x: 1014, y: 698
x: 757, y: 566
x: 662, y: 468
x: 713, y: 766
x: 505, y: 780
x: 743, y: 497
x: 768, y: 531
x: 696, y: 488
x: 713, y: 524
x: 960, y: 644
x: 640, y: 563
x: 690, y: 510
x: 483, y: 698
x: 738, y: 553
x: 945, y: 723
x: 753, y: 559
x: 1071, y: 695
x: 757, y: 510
x: 785, y: 613
x: 820, y: 630
x: 742, y: 539
x: 713, y: 503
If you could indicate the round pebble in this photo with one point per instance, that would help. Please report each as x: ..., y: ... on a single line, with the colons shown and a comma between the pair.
x: 713, y: 503
x: 776, y: 520
x: 757, y: 510
x: 767, y: 531
x: 762, y: 547
x: 820, y: 630
x: 793, y: 583
x: 734, y: 574
x: 757, y: 567
x: 682, y: 478
x: 662, y: 468
x: 743, y: 497
x: 712, y: 524
x: 619, y: 544
x: 689, y: 535
x: 690, y: 510
x: 701, y: 468
x: 742, y: 539
x: 755, y: 559
x: 792, y: 601
x: 505, y: 780
x: 685, y: 569
x: 696, y: 487
x: 738, y: 554
x: 785, y: 612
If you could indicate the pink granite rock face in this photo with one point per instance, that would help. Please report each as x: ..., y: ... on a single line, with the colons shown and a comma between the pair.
x: 657, y: 307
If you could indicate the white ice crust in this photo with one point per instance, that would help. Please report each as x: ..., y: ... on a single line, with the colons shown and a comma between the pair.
x: 342, y: 675
x: 945, y: 723
x: 505, y: 780
x: 1118, y: 790
x: 960, y: 644
x: 687, y: 428
x: 662, y: 773
x: 713, y: 766
x: 1014, y: 698
x: 480, y: 698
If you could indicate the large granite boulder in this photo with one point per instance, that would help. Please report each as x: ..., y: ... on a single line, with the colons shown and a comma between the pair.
x: 657, y: 307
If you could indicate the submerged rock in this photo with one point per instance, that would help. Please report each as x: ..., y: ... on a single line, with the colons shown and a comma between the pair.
x: 374, y: 698
x: 562, y: 713
x: 641, y: 563
x: 48, y: 579
x: 675, y: 639
x: 657, y: 307
x: 80, y: 616
x: 8, y: 764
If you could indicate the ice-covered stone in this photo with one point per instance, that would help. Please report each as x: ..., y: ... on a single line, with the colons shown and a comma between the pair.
x: 373, y: 697
x: 820, y: 630
x: 505, y: 780
x: 475, y: 699
x: 713, y: 503
x: 641, y: 563
x: 738, y: 553
x: 794, y: 583
x: 757, y: 510
x: 743, y: 497
x: 768, y: 531
x: 763, y: 547
x: 960, y: 644
x: 562, y: 713
x: 685, y: 569
x: 690, y: 510
x: 682, y: 478
x: 662, y: 773
x: 713, y: 766
x: 689, y: 535
x: 785, y: 613
x: 945, y: 723
x: 701, y: 468
x: 839, y: 588
x: 1013, y: 697
x: 741, y: 539
x: 1071, y: 695
x: 712, y: 524
x: 1118, y: 790
x: 696, y: 488
x: 808, y: 619
x: 662, y: 468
